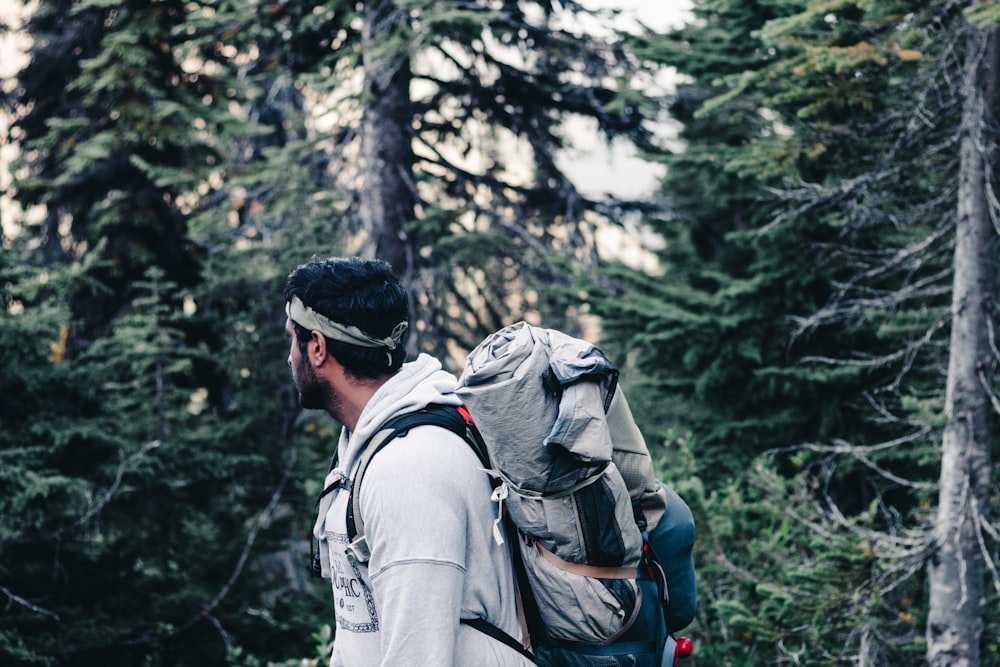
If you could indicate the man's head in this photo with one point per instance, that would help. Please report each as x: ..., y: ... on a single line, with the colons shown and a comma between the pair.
x: 358, y: 306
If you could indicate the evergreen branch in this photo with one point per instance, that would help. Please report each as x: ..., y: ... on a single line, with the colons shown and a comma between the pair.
x: 492, y: 316
x: 908, y: 552
x: 497, y: 315
x: 985, y: 384
x: 916, y: 565
x: 913, y: 348
x: 904, y: 258
x: 497, y: 186
x: 12, y: 597
x: 991, y: 337
x: 470, y: 73
x: 464, y: 175
x: 854, y: 309
x: 908, y: 353
x: 988, y: 159
x: 891, y: 476
x: 226, y: 639
x: 880, y: 408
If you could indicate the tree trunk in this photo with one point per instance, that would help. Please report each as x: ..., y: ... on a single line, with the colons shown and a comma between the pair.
x: 387, y: 194
x: 955, y: 619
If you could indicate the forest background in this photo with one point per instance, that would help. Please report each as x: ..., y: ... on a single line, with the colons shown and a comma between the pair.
x: 803, y: 308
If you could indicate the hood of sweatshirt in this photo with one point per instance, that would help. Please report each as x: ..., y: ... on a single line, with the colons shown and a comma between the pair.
x: 416, y: 385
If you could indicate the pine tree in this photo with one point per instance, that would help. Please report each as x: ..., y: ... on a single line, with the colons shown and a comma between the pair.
x: 905, y: 283
x: 110, y: 139
x: 714, y: 328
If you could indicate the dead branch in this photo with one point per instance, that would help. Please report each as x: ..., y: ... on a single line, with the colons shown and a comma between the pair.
x: 17, y: 599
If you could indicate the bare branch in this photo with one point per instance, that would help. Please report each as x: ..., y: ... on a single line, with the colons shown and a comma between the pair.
x: 123, y: 465
x: 982, y: 526
x: 844, y: 447
x: 13, y: 598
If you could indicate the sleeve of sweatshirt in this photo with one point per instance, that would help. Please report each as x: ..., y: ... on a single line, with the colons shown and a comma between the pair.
x: 414, y: 504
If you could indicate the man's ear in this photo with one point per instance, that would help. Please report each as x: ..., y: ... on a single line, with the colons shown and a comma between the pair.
x: 316, y: 348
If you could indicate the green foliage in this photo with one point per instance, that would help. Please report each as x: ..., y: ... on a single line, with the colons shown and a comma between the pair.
x: 150, y: 512
x: 491, y: 88
x: 776, y: 208
x: 114, y: 519
x: 110, y: 141
x: 801, y: 312
x: 983, y: 15
x: 324, y: 646
x: 783, y: 579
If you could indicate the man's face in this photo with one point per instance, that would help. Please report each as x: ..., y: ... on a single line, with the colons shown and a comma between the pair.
x: 315, y: 392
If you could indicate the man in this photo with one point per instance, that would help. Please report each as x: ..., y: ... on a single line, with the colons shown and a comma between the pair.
x: 425, y: 501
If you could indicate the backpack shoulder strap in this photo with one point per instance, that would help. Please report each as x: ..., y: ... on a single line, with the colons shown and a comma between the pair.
x: 454, y: 418
x: 457, y: 420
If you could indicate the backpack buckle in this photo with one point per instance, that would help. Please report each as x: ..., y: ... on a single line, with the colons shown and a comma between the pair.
x: 357, y: 551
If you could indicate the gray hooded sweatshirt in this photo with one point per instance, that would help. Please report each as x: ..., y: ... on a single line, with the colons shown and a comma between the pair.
x: 429, y: 522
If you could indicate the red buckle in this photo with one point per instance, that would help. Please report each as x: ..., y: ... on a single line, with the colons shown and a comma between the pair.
x: 464, y: 411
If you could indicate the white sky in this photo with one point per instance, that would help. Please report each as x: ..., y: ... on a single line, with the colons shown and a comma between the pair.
x: 597, y: 168
x: 9, y: 60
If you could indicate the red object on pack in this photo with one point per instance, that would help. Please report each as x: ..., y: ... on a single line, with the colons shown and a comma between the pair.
x: 684, y: 649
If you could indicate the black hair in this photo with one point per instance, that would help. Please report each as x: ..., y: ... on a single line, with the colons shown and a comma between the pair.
x: 353, y: 291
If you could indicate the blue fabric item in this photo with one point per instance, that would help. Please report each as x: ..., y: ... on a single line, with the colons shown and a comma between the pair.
x: 672, y: 541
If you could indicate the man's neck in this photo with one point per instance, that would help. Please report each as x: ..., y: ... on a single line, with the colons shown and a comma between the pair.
x: 353, y: 395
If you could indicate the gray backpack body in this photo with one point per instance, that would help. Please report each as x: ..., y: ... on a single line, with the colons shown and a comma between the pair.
x: 575, y: 477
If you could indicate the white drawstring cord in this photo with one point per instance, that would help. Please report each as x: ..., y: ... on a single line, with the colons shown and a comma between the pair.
x: 499, y: 495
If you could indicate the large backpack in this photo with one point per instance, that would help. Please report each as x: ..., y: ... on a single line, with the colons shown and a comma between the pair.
x: 606, y: 546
